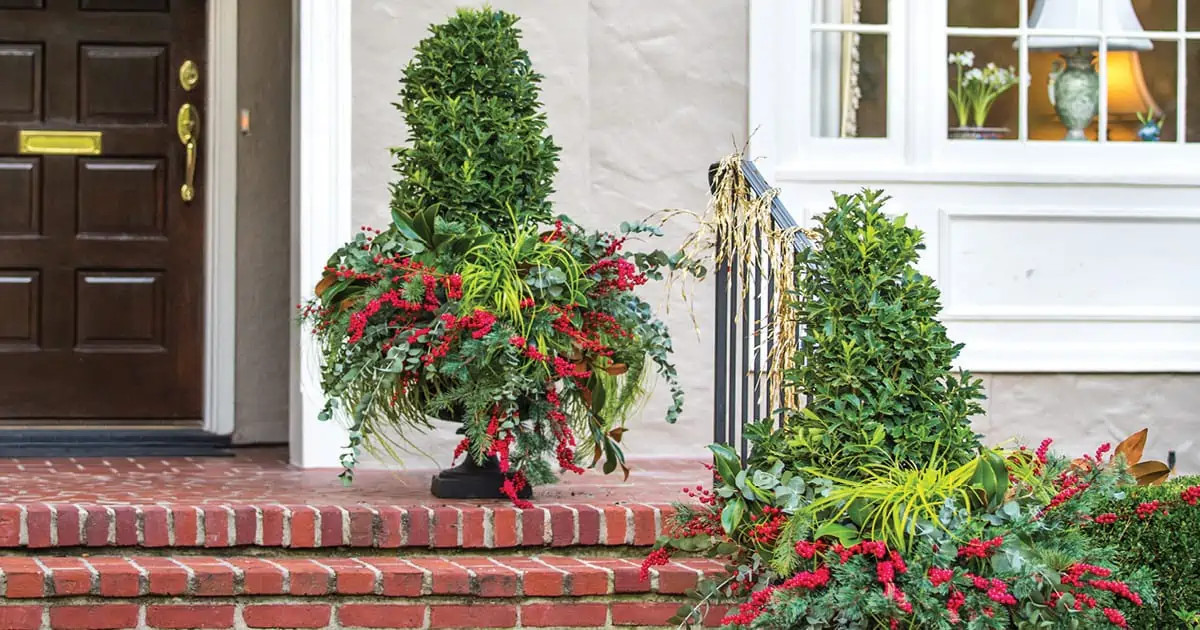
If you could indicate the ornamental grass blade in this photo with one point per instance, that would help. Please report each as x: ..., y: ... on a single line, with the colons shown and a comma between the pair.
x: 1132, y: 447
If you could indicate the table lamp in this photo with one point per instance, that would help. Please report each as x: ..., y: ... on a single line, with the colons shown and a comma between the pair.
x: 1074, y: 85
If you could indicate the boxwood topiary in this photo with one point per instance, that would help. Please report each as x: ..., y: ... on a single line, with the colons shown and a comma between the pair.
x: 874, y: 359
x: 1163, y: 542
x: 478, y: 148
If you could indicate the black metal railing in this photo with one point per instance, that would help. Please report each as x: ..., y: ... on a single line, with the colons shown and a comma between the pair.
x: 744, y: 316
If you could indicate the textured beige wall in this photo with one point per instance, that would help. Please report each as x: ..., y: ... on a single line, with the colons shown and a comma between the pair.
x: 642, y: 97
x: 264, y: 308
x: 1082, y: 411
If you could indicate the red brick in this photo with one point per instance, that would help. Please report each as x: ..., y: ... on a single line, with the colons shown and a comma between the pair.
x: 533, y: 527
x: 332, y: 526
x: 274, y: 521
x: 400, y: 579
x: 96, y: 528
x: 213, y: 578
x: 118, y: 578
x: 582, y: 579
x: 287, y: 615
x: 381, y: 615
x: 99, y: 617
x: 615, y: 525
x: 504, y: 528
x: 166, y: 577
x: 445, y: 527
x: 537, y: 579
x: 216, y: 526
x: 38, y: 525
x: 259, y: 577
x: 154, y: 526
x: 307, y: 577
x: 304, y: 526
x: 589, y: 525
x: 186, y: 525
x: 189, y: 616
x: 447, y: 578
x: 473, y: 616
x: 69, y: 576
x: 10, y: 525
x: 68, y: 525
x: 644, y: 530
x: 351, y: 577
x: 362, y: 526
x: 642, y: 613
x: 391, y: 527
x: 627, y: 576
x: 125, y: 518
x: 245, y: 524
x: 495, y: 581
x: 562, y: 526
x: 417, y: 528
x: 714, y: 614
x: 675, y: 578
x: 25, y: 578
x: 568, y: 615
x: 472, y: 528
x: 21, y: 617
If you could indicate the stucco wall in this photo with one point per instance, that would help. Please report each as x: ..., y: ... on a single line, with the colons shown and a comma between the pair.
x: 641, y: 98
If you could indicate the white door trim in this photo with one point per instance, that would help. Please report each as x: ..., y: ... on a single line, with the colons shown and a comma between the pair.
x: 321, y: 154
x: 220, y: 272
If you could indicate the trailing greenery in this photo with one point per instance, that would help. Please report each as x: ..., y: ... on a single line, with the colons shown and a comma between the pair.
x: 873, y: 354
x: 478, y: 148
x: 1162, y: 542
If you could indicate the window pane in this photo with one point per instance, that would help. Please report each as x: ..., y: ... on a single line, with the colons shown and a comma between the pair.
x: 850, y: 11
x: 983, y: 88
x: 1193, y: 86
x: 1143, y: 82
x: 849, y: 74
x: 985, y: 14
x: 1158, y: 15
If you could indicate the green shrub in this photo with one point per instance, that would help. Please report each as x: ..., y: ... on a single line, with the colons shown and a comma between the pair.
x: 478, y: 149
x: 1164, y: 542
x: 873, y: 354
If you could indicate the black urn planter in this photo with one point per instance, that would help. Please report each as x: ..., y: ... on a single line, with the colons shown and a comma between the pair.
x: 469, y: 480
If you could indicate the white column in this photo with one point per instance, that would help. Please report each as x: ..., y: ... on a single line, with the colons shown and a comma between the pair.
x: 321, y: 201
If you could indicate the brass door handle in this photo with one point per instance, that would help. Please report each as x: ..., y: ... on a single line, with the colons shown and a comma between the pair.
x: 188, y: 127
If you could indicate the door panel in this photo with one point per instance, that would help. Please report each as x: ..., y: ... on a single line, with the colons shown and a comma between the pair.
x: 101, y: 259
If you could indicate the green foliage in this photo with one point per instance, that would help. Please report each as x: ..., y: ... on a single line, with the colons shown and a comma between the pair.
x: 873, y: 354
x: 1163, y: 542
x: 478, y: 149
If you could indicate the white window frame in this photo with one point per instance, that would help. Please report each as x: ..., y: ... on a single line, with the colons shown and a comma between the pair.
x: 917, y: 147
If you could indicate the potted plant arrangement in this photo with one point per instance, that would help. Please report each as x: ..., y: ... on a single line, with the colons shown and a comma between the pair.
x: 974, y: 92
x: 874, y: 505
x: 476, y: 304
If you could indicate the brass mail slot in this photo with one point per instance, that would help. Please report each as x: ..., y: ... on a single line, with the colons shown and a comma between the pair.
x: 60, y: 142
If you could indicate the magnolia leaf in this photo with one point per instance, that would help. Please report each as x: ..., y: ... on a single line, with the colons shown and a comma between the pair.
x: 625, y: 472
x: 616, y: 433
x: 324, y: 284
x: 731, y: 516
x: 1132, y: 447
x: 617, y: 369
x: 597, y: 453
x: 1150, y: 473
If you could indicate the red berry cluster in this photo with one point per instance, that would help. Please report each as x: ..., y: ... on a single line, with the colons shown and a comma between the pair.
x: 655, y: 558
x: 702, y: 495
x: 981, y: 549
x: 1147, y: 509
x: 1191, y: 496
x: 765, y: 528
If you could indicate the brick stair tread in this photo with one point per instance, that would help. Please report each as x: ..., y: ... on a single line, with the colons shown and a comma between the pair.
x: 209, y: 525
x: 487, y: 577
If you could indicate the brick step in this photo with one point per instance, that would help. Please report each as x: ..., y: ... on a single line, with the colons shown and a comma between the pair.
x: 542, y: 591
x: 299, y: 526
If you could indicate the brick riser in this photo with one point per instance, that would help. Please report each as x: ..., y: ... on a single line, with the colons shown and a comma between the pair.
x: 43, y: 526
x: 368, y: 592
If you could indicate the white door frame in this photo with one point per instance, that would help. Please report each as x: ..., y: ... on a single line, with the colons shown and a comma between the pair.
x: 220, y: 272
x: 321, y: 160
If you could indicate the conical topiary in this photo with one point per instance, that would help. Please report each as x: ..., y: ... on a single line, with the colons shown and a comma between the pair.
x: 478, y: 149
x: 874, y: 360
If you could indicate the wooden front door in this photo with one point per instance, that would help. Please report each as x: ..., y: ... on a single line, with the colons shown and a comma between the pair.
x: 101, y: 257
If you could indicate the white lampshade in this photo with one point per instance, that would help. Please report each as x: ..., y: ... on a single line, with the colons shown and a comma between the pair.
x: 1091, y: 15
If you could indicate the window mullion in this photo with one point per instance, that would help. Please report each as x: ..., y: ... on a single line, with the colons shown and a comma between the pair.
x: 1181, y: 74
x: 1023, y: 73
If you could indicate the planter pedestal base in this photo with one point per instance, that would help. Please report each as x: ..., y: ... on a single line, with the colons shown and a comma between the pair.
x: 469, y: 480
